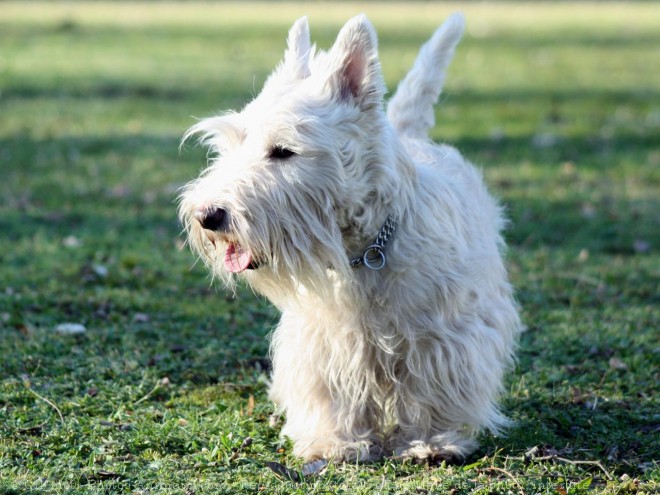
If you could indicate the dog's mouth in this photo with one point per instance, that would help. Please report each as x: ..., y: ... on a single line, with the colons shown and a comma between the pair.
x: 238, y: 259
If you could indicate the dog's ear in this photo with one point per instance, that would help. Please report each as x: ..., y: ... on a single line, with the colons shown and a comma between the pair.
x: 296, y: 57
x: 355, y: 69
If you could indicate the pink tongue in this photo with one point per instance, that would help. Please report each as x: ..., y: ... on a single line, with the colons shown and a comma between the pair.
x: 237, y: 259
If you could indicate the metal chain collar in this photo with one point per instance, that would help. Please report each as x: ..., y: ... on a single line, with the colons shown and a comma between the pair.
x: 374, y: 256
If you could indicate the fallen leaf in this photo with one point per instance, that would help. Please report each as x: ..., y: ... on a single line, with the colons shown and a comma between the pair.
x: 617, y: 364
x: 568, y: 168
x: 32, y: 430
x: 576, y: 396
x: 106, y: 475
x: 71, y: 242
x: 283, y: 471
x: 588, y: 211
x: 573, y: 369
x: 613, y: 453
x: 100, y: 270
x: 314, y: 467
x: 531, y: 453
x: 141, y: 317
x: 641, y: 246
x: 544, y: 140
x: 583, y: 255
x: 70, y: 328
x: 25, y: 329
x: 496, y: 134
x: 237, y: 452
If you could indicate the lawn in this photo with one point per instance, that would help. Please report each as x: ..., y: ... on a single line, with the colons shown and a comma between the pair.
x: 159, y: 386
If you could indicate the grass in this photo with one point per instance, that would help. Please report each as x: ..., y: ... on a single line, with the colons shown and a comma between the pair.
x: 557, y: 102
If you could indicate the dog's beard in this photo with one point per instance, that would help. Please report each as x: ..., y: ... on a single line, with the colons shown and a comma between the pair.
x: 275, y: 255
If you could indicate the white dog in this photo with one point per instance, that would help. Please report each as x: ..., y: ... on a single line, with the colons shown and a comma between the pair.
x: 381, y: 249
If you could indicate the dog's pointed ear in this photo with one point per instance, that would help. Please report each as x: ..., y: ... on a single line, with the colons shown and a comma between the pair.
x: 356, y: 70
x: 298, y: 50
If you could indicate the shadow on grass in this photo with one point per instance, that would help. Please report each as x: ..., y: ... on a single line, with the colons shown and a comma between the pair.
x: 110, y: 89
x: 7, y: 490
x: 608, y: 432
x: 324, y: 34
x: 117, y: 202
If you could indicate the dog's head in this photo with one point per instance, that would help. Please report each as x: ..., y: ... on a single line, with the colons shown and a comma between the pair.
x: 299, y: 178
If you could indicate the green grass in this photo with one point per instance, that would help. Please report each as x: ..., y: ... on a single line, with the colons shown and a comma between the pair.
x: 557, y: 102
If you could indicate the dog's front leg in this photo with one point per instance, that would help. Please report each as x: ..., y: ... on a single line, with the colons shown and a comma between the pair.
x: 323, y: 417
x: 305, y: 401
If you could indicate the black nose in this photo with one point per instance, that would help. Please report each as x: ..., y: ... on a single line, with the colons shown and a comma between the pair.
x: 216, y: 219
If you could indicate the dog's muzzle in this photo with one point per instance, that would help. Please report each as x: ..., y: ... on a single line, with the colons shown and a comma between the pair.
x: 237, y: 258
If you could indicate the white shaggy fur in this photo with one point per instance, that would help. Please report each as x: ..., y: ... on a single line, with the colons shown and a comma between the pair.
x: 407, y: 360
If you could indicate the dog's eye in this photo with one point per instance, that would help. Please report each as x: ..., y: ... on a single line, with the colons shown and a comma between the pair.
x: 280, y: 153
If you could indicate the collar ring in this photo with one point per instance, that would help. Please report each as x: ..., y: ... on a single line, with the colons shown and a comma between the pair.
x: 374, y: 257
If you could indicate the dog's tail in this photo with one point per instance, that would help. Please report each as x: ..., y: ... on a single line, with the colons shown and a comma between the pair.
x: 410, y: 110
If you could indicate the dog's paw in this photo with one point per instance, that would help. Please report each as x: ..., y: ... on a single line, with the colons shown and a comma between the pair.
x: 360, y: 452
x: 446, y: 447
